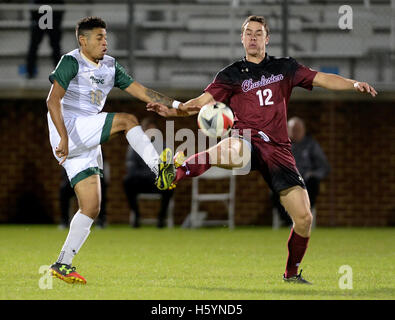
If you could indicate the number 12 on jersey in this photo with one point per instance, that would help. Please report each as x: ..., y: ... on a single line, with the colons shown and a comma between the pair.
x: 265, y: 93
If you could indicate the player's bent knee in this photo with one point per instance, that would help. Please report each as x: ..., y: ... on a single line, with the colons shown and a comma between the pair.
x: 91, y: 211
x: 240, y: 155
x: 124, y: 122
x: 308, y: 220
x: 130, y: 121
x: 229, y: 153
x: 304, y: 221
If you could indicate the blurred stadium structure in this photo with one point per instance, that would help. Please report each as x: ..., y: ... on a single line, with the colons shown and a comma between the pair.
x: 177, y: 47
x: 182, y: 44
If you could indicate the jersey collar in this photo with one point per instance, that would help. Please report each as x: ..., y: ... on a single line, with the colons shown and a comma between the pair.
x: 96, y: 65
x: 265, y: 60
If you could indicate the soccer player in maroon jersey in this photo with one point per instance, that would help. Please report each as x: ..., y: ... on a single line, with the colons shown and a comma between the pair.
x: 258, y: 88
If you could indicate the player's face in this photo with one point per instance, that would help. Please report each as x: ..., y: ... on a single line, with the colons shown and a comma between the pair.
x: 96, y: 44
x: 254, y: 39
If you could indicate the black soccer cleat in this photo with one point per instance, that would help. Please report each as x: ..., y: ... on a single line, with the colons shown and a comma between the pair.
x: 296, y: 279
x: 66, y: 273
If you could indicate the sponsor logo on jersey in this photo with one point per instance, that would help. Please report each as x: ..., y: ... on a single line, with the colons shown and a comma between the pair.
x: 96, y: 80
x: 249, y: 84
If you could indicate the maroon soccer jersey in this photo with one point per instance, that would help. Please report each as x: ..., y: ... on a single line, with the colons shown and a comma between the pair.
x: 258, y: 93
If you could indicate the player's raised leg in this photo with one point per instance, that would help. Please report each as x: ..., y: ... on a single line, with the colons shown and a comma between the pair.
x: 230, y: 153
x: 161, y: 165
x: 296, y: 202
x: 89, y: 196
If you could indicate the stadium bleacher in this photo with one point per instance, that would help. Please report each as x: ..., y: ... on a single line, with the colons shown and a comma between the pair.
x: 184, y: 43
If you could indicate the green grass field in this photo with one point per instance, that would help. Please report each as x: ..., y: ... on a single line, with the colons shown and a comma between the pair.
x: 214, y: 263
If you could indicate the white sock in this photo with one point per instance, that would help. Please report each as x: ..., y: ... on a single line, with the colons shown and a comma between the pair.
x: 140, y: 142
x: 79, y: 231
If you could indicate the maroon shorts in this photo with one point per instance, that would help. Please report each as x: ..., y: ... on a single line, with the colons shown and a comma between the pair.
x: 276, y: 164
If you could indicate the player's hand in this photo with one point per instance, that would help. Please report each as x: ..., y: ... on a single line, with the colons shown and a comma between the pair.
x: 365, y: 87
x: 189, y: 107
x: 159, y: 108
x: 62, y: 150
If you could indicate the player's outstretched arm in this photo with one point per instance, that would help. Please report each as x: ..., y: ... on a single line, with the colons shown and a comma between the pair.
x: 55, y: 110
x: 157, y: 101
x: 148, y: 95
x: 189, y: 108
x: 335, y: 82
x: 194, y: 105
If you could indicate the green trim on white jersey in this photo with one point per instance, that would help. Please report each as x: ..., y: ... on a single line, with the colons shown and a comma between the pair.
x: 105, y: 134
x: 85, y: 174
x: 87, y: 86
x: 65, y: 71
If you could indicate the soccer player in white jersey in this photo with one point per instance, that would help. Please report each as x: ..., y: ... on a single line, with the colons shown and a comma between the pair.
x: 77, y: 128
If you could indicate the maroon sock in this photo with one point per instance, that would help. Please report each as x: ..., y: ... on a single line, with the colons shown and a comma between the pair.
x: 194, y: 166
x: 297, y: 246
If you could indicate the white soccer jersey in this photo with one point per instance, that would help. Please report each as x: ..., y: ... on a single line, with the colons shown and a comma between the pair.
x: 87, y: 85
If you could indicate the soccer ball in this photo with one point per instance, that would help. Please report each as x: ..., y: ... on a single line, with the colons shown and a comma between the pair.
x: 215, y: 119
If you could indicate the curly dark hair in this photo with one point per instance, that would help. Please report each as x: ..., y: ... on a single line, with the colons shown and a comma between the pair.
x: 88, y: 24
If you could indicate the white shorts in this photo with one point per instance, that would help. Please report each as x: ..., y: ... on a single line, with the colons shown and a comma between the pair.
x: 86, y: 134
